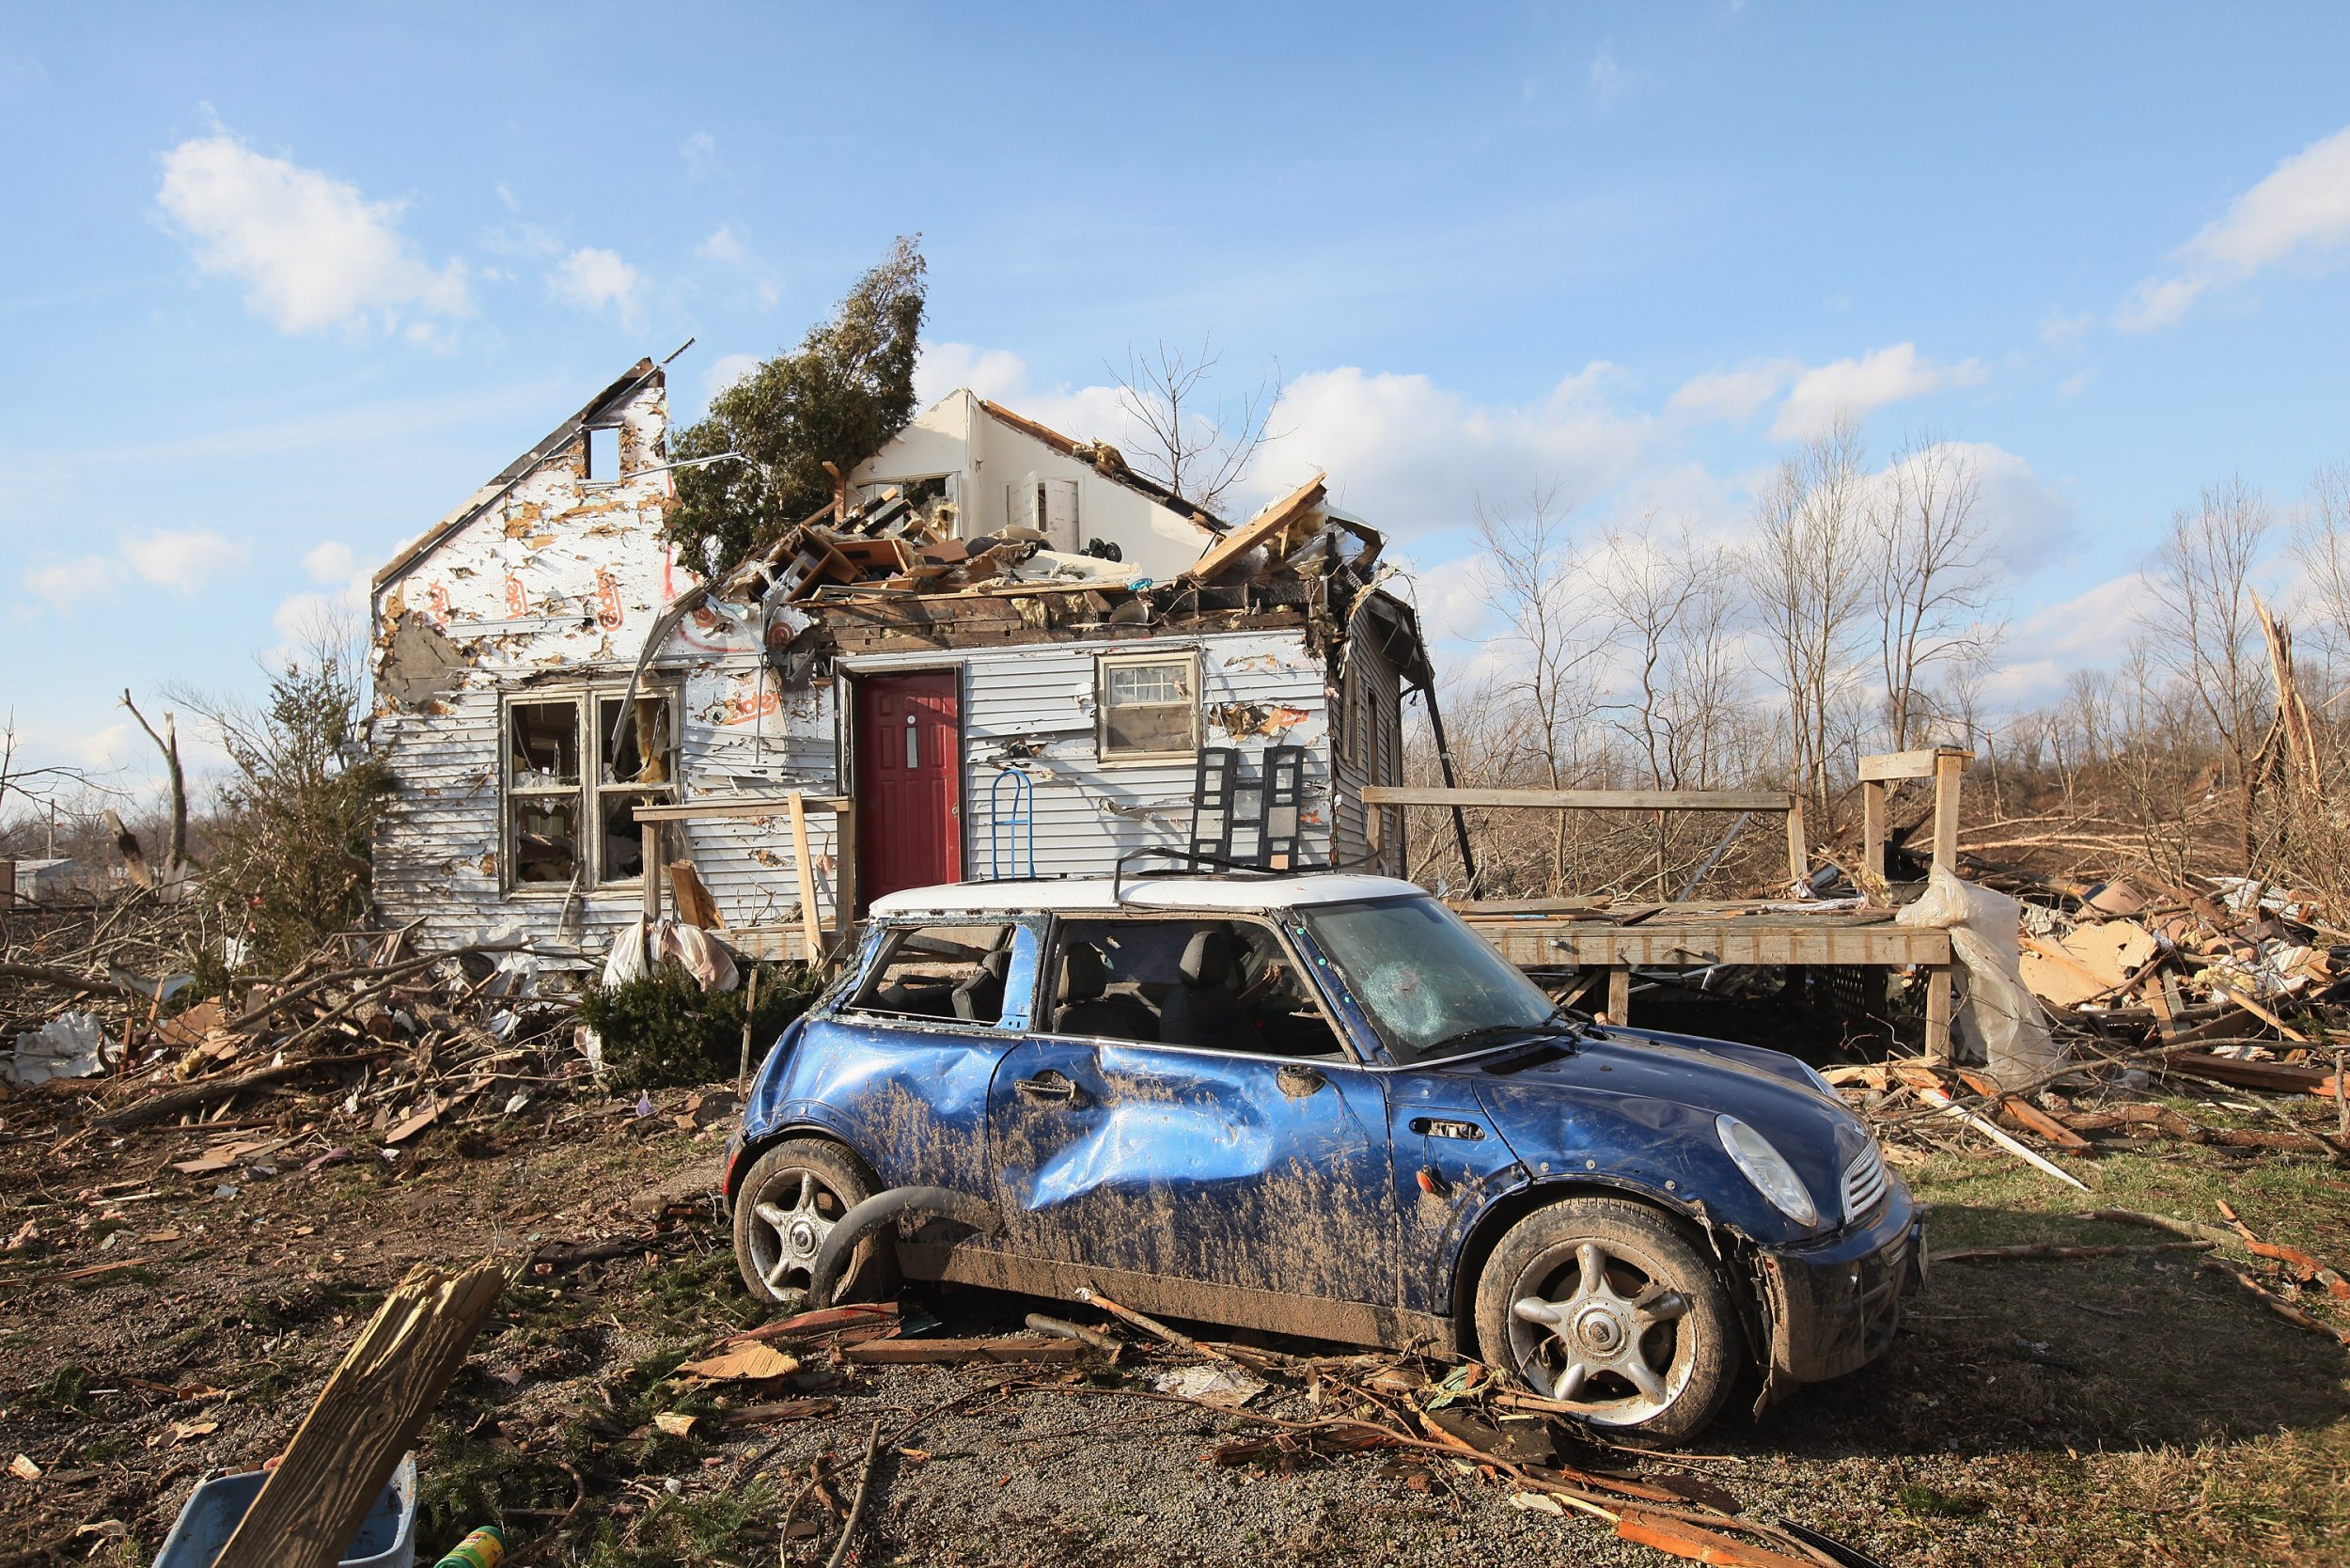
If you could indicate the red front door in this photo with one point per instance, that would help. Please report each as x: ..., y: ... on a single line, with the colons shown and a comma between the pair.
x: 909, y: 793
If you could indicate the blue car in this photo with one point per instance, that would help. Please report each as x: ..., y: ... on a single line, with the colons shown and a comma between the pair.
x: 1319, y: 1104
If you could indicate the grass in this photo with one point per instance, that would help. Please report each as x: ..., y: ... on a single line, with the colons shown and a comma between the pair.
x: 2124, y: 1409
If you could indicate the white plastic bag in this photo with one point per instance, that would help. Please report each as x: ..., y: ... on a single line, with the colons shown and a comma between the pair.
x: 1997, y: 1015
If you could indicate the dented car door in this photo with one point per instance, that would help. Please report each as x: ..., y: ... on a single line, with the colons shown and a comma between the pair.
x: 1251, y: 1172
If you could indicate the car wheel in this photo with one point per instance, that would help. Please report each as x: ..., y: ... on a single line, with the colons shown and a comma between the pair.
x: 788, y: 1203
x: 1603, y: 1304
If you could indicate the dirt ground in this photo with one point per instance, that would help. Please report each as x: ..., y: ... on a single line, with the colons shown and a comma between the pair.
x: 156, y: 1326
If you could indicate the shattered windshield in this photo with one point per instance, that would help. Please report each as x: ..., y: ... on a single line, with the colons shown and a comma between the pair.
x: 1432, y: 986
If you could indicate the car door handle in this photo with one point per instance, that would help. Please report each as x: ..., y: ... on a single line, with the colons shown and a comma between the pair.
x: 1297, y: 1082
x: 1048, y: 1086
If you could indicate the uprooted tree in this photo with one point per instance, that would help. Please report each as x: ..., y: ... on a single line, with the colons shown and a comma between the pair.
x: 848, y: 388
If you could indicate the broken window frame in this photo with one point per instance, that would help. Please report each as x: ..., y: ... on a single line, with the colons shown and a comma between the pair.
x: 1348, y: 1052
x: 589, y: 793
x: 896, y: 948
x: 1104, y: 667
x: 588, y: 474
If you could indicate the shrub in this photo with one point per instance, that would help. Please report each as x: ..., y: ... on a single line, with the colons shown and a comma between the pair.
x: 666, y: 1029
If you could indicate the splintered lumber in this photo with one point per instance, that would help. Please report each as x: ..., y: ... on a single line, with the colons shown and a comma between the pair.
x: 2031, y: 1117
x: 1693, y: 1544
x: 695, y: 906
x: 369, y: 1414
x: 2276, y: 1077
x: 810, y: 930
x: 1264, y: 528
x: 1941, y: 1102
x: 173, y: 1101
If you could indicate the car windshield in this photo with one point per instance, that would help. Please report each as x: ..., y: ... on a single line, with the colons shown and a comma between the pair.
x: 1432, y: 986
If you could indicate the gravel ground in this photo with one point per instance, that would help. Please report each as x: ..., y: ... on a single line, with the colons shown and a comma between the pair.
x: 2039, y: 1413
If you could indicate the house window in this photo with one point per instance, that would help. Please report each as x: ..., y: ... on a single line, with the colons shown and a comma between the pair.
x: 1049, y: 507
x: 603, y: 454
x: 1147, y: 707
x: 578, y: 766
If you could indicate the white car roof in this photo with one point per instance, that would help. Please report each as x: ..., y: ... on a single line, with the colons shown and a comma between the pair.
x: 1094, y: 894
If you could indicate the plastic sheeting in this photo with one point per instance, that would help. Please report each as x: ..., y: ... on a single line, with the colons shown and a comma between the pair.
x: 71, y: 1046
x: 634, y: 955
x: 1997, y: 1020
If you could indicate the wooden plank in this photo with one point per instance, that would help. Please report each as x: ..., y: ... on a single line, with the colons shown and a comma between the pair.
x: 1583, y: 800
x: 1947, y: 767
x: 722, y: 805
x: 2022, y: 1113
x: 369, y: 1414
x: 1939, y: 1016
x: 1897, y: 765
x: 2275, y: 1077
x: 1798, y: 851
x: 1541, y: 943
x: 810, y: 929
x: 1872, y: 828
x: 695, y: 905
x: 1257, y: 529
x: 845, y: 893
x: 1620, y: 995
x: 652, y: 873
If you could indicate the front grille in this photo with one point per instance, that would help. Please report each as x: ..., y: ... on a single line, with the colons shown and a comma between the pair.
x: 1864, y: 1182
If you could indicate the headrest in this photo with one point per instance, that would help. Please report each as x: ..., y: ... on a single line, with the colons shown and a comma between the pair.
x: 1207, y: 958
x: 997, y: 963
x: 1082, y: 974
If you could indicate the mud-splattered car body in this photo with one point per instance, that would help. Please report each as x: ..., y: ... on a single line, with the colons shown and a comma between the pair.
x: 1347, y: 1184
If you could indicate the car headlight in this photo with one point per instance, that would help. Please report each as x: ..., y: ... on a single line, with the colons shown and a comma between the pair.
x: 1772, y: 1176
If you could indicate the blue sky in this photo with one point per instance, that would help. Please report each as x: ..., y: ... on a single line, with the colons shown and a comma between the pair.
x: 283, y: 285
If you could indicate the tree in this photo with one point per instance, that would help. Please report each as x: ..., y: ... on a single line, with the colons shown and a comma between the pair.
x: 2206, y: 634
x: 1805, y: 577
x: 290, y: 848
x: 1935, y: 578
x: 846, y: 391
x: 2322, y: 548
x: 1198, y: 456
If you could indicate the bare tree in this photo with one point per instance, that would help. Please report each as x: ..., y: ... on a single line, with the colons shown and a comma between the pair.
x: 1198, y: 453
x: 1527, y: 572
x: 1806, y: 579
x: 2205, y: 634
x: 172, y: 879
x: 1935, y: 578
x: 2322, y: 546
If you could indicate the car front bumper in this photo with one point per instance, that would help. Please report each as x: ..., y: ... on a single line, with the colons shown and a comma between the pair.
x: 1834, y: 1304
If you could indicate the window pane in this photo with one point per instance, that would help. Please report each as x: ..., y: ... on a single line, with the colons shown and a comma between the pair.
x: 1130, y: 683
x: 545, y: 837
x: 946, y: 972
x: 646, y: 736
x: 623, y: 836
x: 542, y: 744
x: 1143, y: 732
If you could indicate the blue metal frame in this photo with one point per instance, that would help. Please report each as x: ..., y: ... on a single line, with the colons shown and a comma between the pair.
x: 1021, y: 824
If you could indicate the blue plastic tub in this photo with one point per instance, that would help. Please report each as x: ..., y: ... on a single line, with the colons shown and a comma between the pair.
x: 387, y: 1539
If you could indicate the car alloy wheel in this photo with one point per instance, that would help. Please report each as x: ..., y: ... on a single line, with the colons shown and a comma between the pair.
x: 789, y: 1201
x: 1603, y: 1304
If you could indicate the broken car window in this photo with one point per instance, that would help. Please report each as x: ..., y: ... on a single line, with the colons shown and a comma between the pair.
x: 1430, y: 985
x: 945, y: 972
x: 1216, y: 984
x: 1149, y: 707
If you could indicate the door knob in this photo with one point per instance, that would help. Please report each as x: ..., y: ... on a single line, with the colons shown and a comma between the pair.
x: 1048, y: 1086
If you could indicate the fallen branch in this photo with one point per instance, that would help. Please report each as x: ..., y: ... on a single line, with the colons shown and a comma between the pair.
x: 2053, y: 1250
x: 1149, y: 1325
x: 1941, y: 1102
x: 856, y: 1504
x: 171, y: 1103
x: 2276, y: 1303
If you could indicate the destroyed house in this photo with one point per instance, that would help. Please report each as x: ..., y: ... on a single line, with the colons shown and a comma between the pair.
x: 1000, y: 653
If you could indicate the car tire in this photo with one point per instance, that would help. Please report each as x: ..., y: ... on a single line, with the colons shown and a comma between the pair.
x: 790, y: 1200
x: 1651, y: 1347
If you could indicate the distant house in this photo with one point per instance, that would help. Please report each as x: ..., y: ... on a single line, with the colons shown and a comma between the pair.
x: 1004, y: 652
x: 36, y: 881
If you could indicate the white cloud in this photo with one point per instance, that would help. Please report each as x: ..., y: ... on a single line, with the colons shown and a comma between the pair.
x: 2298, y: 215
x: 1860, y: 386
x: 728, y: 370
x: 184, y: 560
x: 1733, y: 395
x: 66, y: 584
x: 599, y: 282
x: 1612, y: 83
x: 723, y: 244
x: 330, y: 562
x: 996, y: 373
x: 312, y: 250
x: 700, y: 152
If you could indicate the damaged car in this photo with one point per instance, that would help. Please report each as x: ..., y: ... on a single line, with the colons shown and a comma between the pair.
x: 1320, y: 1104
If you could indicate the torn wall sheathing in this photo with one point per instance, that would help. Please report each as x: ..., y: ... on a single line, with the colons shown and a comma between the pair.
x: 554, y: 582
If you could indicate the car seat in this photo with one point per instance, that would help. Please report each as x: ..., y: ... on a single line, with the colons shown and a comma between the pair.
x: 980, y: 999
x: 1084, y: 1008
x: 1203, y: 1009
